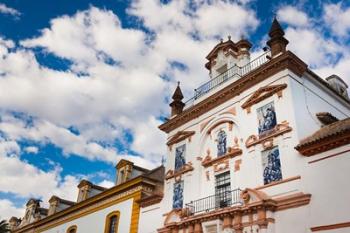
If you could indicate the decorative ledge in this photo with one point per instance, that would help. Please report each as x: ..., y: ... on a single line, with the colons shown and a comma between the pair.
x: 263, y: 93
x: 186, y: 168
x: 180, y: 136
x: 209, y: 161
x: 278, y: 182
x: 264, y: 138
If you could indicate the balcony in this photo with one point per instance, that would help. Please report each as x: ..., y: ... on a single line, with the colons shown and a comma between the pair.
x: 234, y: 73
x: 214, y: 202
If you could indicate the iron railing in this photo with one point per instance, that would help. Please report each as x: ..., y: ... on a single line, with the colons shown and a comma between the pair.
x: 222, y: 200
x: 232, y: 73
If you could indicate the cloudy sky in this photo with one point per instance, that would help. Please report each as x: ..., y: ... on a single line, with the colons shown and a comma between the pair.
x: 85, y: 83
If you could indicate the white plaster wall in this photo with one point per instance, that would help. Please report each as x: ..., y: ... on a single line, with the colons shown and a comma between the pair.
x: 95, y: 222
x: 292, y: 220
x: 328, y: 182
x: 310, y: 99
x: 150, y: 219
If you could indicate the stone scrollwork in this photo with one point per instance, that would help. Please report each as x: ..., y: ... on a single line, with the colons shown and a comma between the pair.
x: 267, y: 138
x: 184, y: 169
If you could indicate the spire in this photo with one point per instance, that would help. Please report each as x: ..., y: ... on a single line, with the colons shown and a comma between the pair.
x: 177, y: 105
x: 276, y: 28
x: 178, y: 93
x: 277, y: 42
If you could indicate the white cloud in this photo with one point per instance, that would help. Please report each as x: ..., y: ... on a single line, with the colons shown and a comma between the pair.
x: 315, y: 49
x: 341, y: 68
x: 31, y: 180
x: 292, y: 16
x: 326, y: 53
x: 112, y: 98
x: 31, y: 149
x: 8, y: 209
x: 106, y: 184
x: 43, y: 132
x: 337, y: 18
x: 225, y: 18
x: 8, y: 10
x: 114, y: 86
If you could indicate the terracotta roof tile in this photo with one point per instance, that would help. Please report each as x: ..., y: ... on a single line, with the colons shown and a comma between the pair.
x: 336, y: 128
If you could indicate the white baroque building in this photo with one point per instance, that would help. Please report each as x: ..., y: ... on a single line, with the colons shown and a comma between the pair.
x: 263, y: 146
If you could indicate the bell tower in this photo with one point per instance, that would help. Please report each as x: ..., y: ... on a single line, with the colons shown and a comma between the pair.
x: 226, y: 55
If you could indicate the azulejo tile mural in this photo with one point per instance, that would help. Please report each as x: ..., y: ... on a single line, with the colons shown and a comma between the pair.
x: 271, y: 165
x: 266, y: 117
x: 178, y: 195
x: 221, y: 143
x: 180, y: 157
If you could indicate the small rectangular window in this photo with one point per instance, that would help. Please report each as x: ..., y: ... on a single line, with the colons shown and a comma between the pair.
x: 223, y: 190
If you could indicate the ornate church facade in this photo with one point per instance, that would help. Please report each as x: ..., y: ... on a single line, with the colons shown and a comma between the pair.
x: 262, y: 147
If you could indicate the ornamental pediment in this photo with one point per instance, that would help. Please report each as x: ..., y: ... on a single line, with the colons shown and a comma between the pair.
x: 180, y: 136
x: 263, y: 93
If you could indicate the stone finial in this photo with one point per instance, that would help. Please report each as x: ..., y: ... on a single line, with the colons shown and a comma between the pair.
x: 177, y: 105
x: 277, y: 42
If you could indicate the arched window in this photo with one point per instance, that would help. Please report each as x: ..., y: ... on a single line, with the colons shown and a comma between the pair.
x: 72, y: 229
x: 112, y: 221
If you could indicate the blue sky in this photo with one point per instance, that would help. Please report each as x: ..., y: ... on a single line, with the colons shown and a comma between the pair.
x: 86, y: 83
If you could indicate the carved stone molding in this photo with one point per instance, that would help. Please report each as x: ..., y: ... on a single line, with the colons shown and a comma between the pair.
x: 231, y: 111
x: 205, y: 123
x: 209, y: 161
x: 237, y: 166
x: 180, y: 136
x: 220, y: 123
x: 266, y: 139
x: 186, y: 168
x: 263, y: 93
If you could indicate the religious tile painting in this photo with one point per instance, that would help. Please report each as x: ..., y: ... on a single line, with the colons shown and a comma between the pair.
x: 180, y: 157
x: 221, y: 143
x: 266, y: 117
x: 178, y: 195
x: 271, y: 165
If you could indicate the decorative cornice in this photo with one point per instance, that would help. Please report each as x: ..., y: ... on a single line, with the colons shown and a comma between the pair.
x: 278, y: 130
x: 331, y: 226
x: 186, y: 168
x: 285, y: 61
x: 292, y: 201
x: 325, y: 144
x: 180, y: 136
x: 263, y: 93
x: 154, y: 198
x: 209, y: 161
